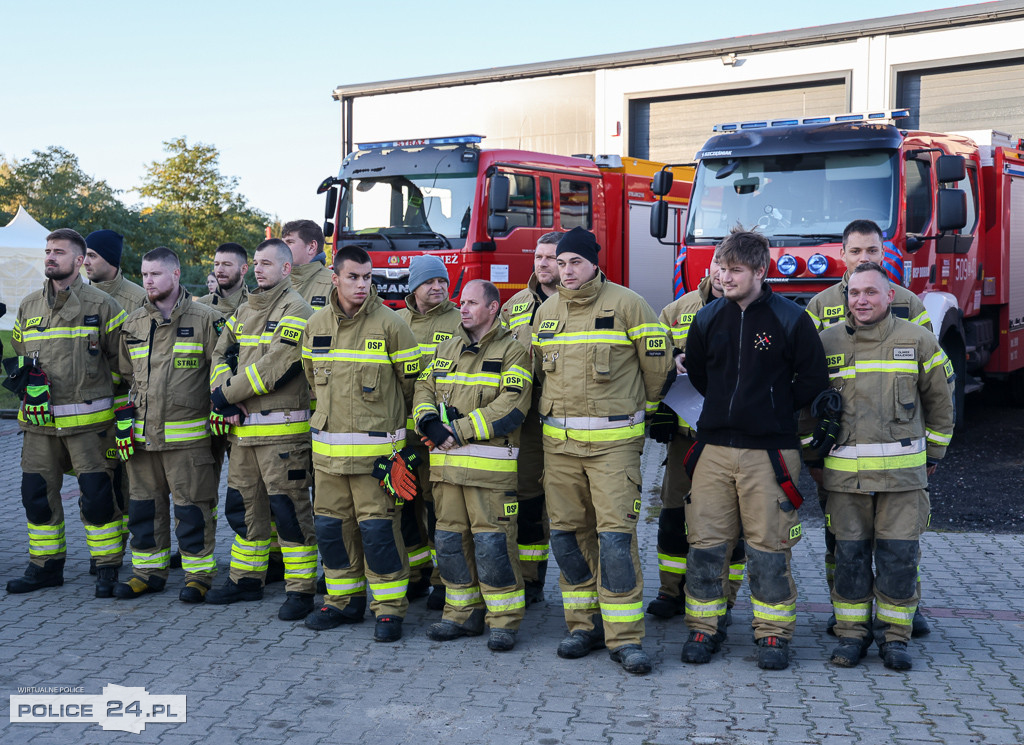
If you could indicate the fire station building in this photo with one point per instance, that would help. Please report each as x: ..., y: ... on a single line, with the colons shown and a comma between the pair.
x: 956, y: 69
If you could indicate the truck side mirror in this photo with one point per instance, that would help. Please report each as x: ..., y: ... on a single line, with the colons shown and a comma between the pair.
x: 950, y: 168
x: 951, y: 209
x: 498, y: 193
x: 661, y: 184
x: 328, y: 228
x: 331, y: 203
x: 497, y: 224
x: 659, y: 217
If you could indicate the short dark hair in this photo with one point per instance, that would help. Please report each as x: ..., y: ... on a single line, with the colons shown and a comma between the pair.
x: 355, y: 254
x: 491, y: 294
x: 307, y: 230
x: 862, y: 227
x: 164, y: 254
x: 233, y: 248
x: 67, y: 234
x: 284, y: 254
x: 553, y: 237
x: 744, y: 247
x: 869, y: 266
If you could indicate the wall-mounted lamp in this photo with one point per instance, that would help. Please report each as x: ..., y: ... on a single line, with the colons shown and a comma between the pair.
x: 729, y: 59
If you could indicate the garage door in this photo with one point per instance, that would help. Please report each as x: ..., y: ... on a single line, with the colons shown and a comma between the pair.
x: 965, y: 97
x: 673, y: 129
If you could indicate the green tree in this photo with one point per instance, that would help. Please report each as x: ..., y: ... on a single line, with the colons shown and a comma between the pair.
x: 188, y: 186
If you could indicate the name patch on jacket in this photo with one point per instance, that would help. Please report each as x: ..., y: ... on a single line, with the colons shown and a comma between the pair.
x: 374, y: 345
x: 655, y: 346
x: 904, y: 353
x: 548, y: 327
x: 440, y: 336
x: 491, y: 366
x: 186, y: 362
x: 318, y: 301
x: 521, y: 307
x: 271, y: 325
x: 91, y: 320
x: 835, y: 360
x: 833, y: 311
x: 605, y: 322
x: 321, y: 341
x: 186, y: 331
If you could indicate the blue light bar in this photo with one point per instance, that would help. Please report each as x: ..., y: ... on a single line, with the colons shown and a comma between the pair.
x: 817, y: 265
x: 457, y: 140
x: 787, y: 265
x: 825, y: 119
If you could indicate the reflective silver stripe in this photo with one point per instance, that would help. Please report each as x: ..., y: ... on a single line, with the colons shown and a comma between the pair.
x: 884, y: 449
x: 101, y: 404
x: 592, y: 422
x: 494, y: 452
x: 355, y: 438
x: 277, y: 417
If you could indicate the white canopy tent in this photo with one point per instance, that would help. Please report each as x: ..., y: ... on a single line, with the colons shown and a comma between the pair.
x: 21, y: 262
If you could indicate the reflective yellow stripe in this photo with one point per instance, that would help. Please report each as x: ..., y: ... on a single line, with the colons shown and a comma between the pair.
x: 622, y: 612
x: 138, y: 351
x: 938, y: 438
x: 709, y: 609
x: 116, y: 322
x: 253, y: 375
x: 876, y: 463
x: 443, y: 459
x: 243, y: 431
x: 672, y: 564
x: 902, y: 615
x: 461, y: 597
x: 580, y: 600
x: 604, y: 336
x: 457, y: 378
x: 936, y: 360
x: 852, y: 612
x: 596, y: 435
x: 46, y: 540
x: 783, y: 613
x: 533, y: 552
x: 345, y: 586
x: 498, y: 602
x: 80, y: 420
x: 187, y: 347
x: 345, y: 355
x: 647, y: 329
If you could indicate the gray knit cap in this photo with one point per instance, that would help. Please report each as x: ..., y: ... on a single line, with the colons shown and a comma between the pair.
x: 422, y: 268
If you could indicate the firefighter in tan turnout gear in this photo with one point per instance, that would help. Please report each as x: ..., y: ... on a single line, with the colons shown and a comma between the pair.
x: 862, y: 243
x: 310, y: 278
x: 266, y: 403
x: 517, y: 315
x: 669, y: 428
x: 361, y: 361
x: 897, y: 419
x: 469, y: 404
x: 65, y: 339
x: 603, y: 360
x: 103, y: 268
x: 164, y: 434
x: 230, y: 264
x: 433, y: 318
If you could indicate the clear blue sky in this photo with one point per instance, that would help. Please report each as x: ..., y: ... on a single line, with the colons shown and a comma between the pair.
x: 110, y: 81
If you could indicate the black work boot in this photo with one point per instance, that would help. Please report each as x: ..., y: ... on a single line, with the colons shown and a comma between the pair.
x: 106, y: 579
x: 387, y: 629
x: 445, y: 630
x: 772, y: 653
x: 501, y: 640
x: 534, y: 588
x: 296, y: 606
x: 895, y: 655
x: 666, y: 606
x: 247, y: 588
x: 633, y: 659
x: 51, y: 574
x: 329, y: 617
x: 136, y: 587
x: 920, y: 625
x: 699, y: 647
x: 579, y: 643
x: 850, y: 651
x: 436, y: 599
x: 194, y: 591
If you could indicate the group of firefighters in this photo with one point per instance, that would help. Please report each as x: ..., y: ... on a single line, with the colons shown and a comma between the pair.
x: 439, y: 451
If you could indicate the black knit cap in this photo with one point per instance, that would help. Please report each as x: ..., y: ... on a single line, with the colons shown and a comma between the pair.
x: 107, y: 244
x: 579, y: 241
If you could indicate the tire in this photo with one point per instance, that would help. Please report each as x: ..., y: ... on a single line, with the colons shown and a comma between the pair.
x: 953, y: 346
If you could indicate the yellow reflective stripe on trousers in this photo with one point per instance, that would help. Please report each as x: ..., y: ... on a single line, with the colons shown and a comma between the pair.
x: 782, y: 613
x: 461, y: 597
x: 419, y: 557
x: 104, y: 540
x: 389, y: 590
x: 736, y: 572
x: 902, y: 615
x: 250, y: 556
x: 533, y: 552
x: 705, y: 609
x: 198, y: 564
x: 580, y: 601
x: 852, y: 612
x: 46, y: 540
x: 498, y: 602
x: 345, y: 585
x: 671, y: 564
x: 622, y: 612
x: 152, y: 559
x: 299, y: 561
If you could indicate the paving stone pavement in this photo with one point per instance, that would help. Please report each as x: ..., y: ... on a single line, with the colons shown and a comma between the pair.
x: 254, y: 679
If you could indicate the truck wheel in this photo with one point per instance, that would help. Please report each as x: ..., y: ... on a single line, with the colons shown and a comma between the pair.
x: 954, y: 348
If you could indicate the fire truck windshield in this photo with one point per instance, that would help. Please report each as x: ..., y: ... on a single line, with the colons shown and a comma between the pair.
x: 431, y: 209
x: 794, y: 198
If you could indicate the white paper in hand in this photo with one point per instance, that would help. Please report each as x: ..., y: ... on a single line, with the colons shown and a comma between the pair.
x: 684, y: 400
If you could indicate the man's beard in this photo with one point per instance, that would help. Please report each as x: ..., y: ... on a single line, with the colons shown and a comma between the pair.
x: 160, y: 296
x: 229, y: 283
x: 55, y: 273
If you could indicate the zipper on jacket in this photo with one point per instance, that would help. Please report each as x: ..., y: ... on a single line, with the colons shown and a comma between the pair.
x: 149, y: 370
x: 739, y: 365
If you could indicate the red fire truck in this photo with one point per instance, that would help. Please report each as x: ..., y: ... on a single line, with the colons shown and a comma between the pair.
x: 951, y: 208
x: 482, y: 211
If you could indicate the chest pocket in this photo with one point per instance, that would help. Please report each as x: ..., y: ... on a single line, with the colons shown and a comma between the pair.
x: 602, y: 348
x: 320, y: 347
x: 548, y: 353
x: 905, y: 393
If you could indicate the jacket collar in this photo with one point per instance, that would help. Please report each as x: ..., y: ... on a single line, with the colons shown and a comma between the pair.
x: 301, y: 273
x: 111, y: 285
x: 586, y: 294
x: 184, y: 298
x: 534, y: 286
x: 874, y: 332
x: 65, y: 303
x: 440, y: 308
x: 369, y: 305
x: 263, y: 299
x: 493, y: 332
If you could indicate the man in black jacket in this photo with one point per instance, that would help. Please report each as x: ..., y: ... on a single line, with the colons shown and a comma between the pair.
x: 757, y: 359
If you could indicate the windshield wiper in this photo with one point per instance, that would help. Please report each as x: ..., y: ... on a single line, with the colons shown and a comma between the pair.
x: 812, y: 237
x: 440, y: 236
x: 354, y: 238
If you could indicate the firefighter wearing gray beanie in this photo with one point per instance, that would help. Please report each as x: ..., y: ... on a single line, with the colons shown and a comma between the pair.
x: 423, y: 268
